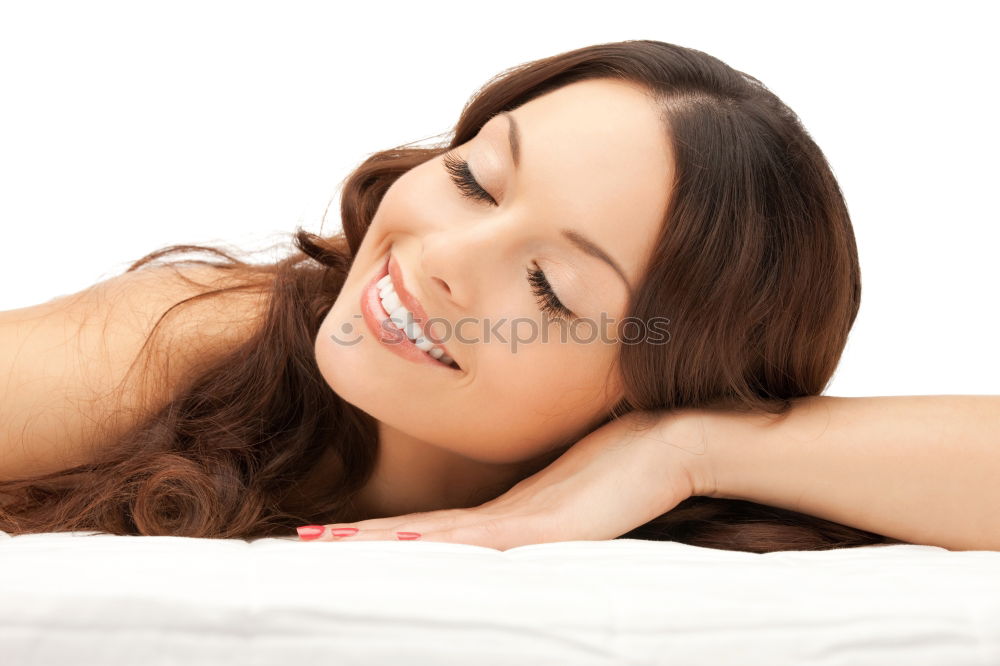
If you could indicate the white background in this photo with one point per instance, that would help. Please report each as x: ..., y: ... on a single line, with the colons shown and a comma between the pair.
x: 132, y: 125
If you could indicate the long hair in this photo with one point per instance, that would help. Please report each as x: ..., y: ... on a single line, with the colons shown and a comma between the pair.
x: 755, y: 266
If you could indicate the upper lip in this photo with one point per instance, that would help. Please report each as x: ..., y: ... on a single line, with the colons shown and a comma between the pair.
x: 411, y: 303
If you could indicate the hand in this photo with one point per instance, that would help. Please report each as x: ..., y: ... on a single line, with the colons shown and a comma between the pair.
x: 615, y: 479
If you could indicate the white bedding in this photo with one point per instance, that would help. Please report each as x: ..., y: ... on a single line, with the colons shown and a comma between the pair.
x: 80, y: 598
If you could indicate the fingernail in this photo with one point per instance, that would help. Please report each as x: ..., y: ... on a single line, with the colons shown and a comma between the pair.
x: 308, y: 532
x: 344, y: 531
x: 407, y: 536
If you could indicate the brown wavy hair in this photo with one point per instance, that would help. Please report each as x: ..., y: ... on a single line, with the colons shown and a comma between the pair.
x: 755, y: 266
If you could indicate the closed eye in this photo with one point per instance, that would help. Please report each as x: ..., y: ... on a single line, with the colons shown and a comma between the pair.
x: 467, y: 184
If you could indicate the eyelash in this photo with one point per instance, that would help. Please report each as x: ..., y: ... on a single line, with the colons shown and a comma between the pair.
x: 547, y: 299
x: 469, y: 187
x: 466, y: 182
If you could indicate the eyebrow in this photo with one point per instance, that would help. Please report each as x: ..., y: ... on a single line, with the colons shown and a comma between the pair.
x: 578, y: 240
x: 514, y: 138
x: 588, y: 246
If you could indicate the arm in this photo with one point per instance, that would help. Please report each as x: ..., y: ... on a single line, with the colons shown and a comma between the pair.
x: 618, y: 477
x: 923, y: 469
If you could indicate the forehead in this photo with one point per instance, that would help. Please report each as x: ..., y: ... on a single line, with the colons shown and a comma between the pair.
x: 595, y: 153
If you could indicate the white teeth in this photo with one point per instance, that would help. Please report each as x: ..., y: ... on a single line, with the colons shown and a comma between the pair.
x: 404, y: 320
x: 390, y: 301
x: 412, y: 330
x: 400, y: 316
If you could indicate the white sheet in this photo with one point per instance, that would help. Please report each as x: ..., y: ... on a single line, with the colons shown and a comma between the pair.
x: 78, y: 598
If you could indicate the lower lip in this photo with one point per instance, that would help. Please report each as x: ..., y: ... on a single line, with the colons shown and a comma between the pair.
x: 388, y: 333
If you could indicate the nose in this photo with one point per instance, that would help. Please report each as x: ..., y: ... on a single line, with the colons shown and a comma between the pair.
x: 454, y: 261
x: 444, y: 285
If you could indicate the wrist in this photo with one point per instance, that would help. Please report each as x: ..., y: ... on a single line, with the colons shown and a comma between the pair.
x: 689, y: 431
x: 685, y: 436
x: 728, y: 451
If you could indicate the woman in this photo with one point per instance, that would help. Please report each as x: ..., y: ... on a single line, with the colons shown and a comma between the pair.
x: 671, y: 205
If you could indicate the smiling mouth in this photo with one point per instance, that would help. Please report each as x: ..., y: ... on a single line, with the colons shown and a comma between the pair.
x: 435, y: 352
x: 395, y: 325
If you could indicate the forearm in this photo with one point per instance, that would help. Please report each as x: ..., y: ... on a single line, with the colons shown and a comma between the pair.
x: 922, y: 469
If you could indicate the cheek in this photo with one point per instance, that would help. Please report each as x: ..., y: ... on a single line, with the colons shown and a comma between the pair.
x: 332, y: 359
x: 528, y: 402
x: 341, y: 355
x: 555, y: 376
x: 421, y: 191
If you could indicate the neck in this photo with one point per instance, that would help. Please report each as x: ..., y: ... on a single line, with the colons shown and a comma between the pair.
x: 413, y: 476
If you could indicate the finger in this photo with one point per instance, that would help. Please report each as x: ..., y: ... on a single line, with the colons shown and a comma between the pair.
x: 334, y: 531
x: 414, y: 522
x: 444, y: 536
x: 370, y: 535
x: 340, y: 532
x: 500, y: 532
x: 486, y: 533
x: 476, y: 535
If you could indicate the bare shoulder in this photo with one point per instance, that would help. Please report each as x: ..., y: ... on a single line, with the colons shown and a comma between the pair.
x: 196, y: 321
x: 93, y: 363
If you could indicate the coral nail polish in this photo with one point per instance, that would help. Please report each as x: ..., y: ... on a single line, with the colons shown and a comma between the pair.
x: 344, y: 531
x: 308, y: 532
x: 407, y: 536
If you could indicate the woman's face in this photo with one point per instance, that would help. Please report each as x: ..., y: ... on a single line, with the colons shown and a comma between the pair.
x: 591, y: 161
